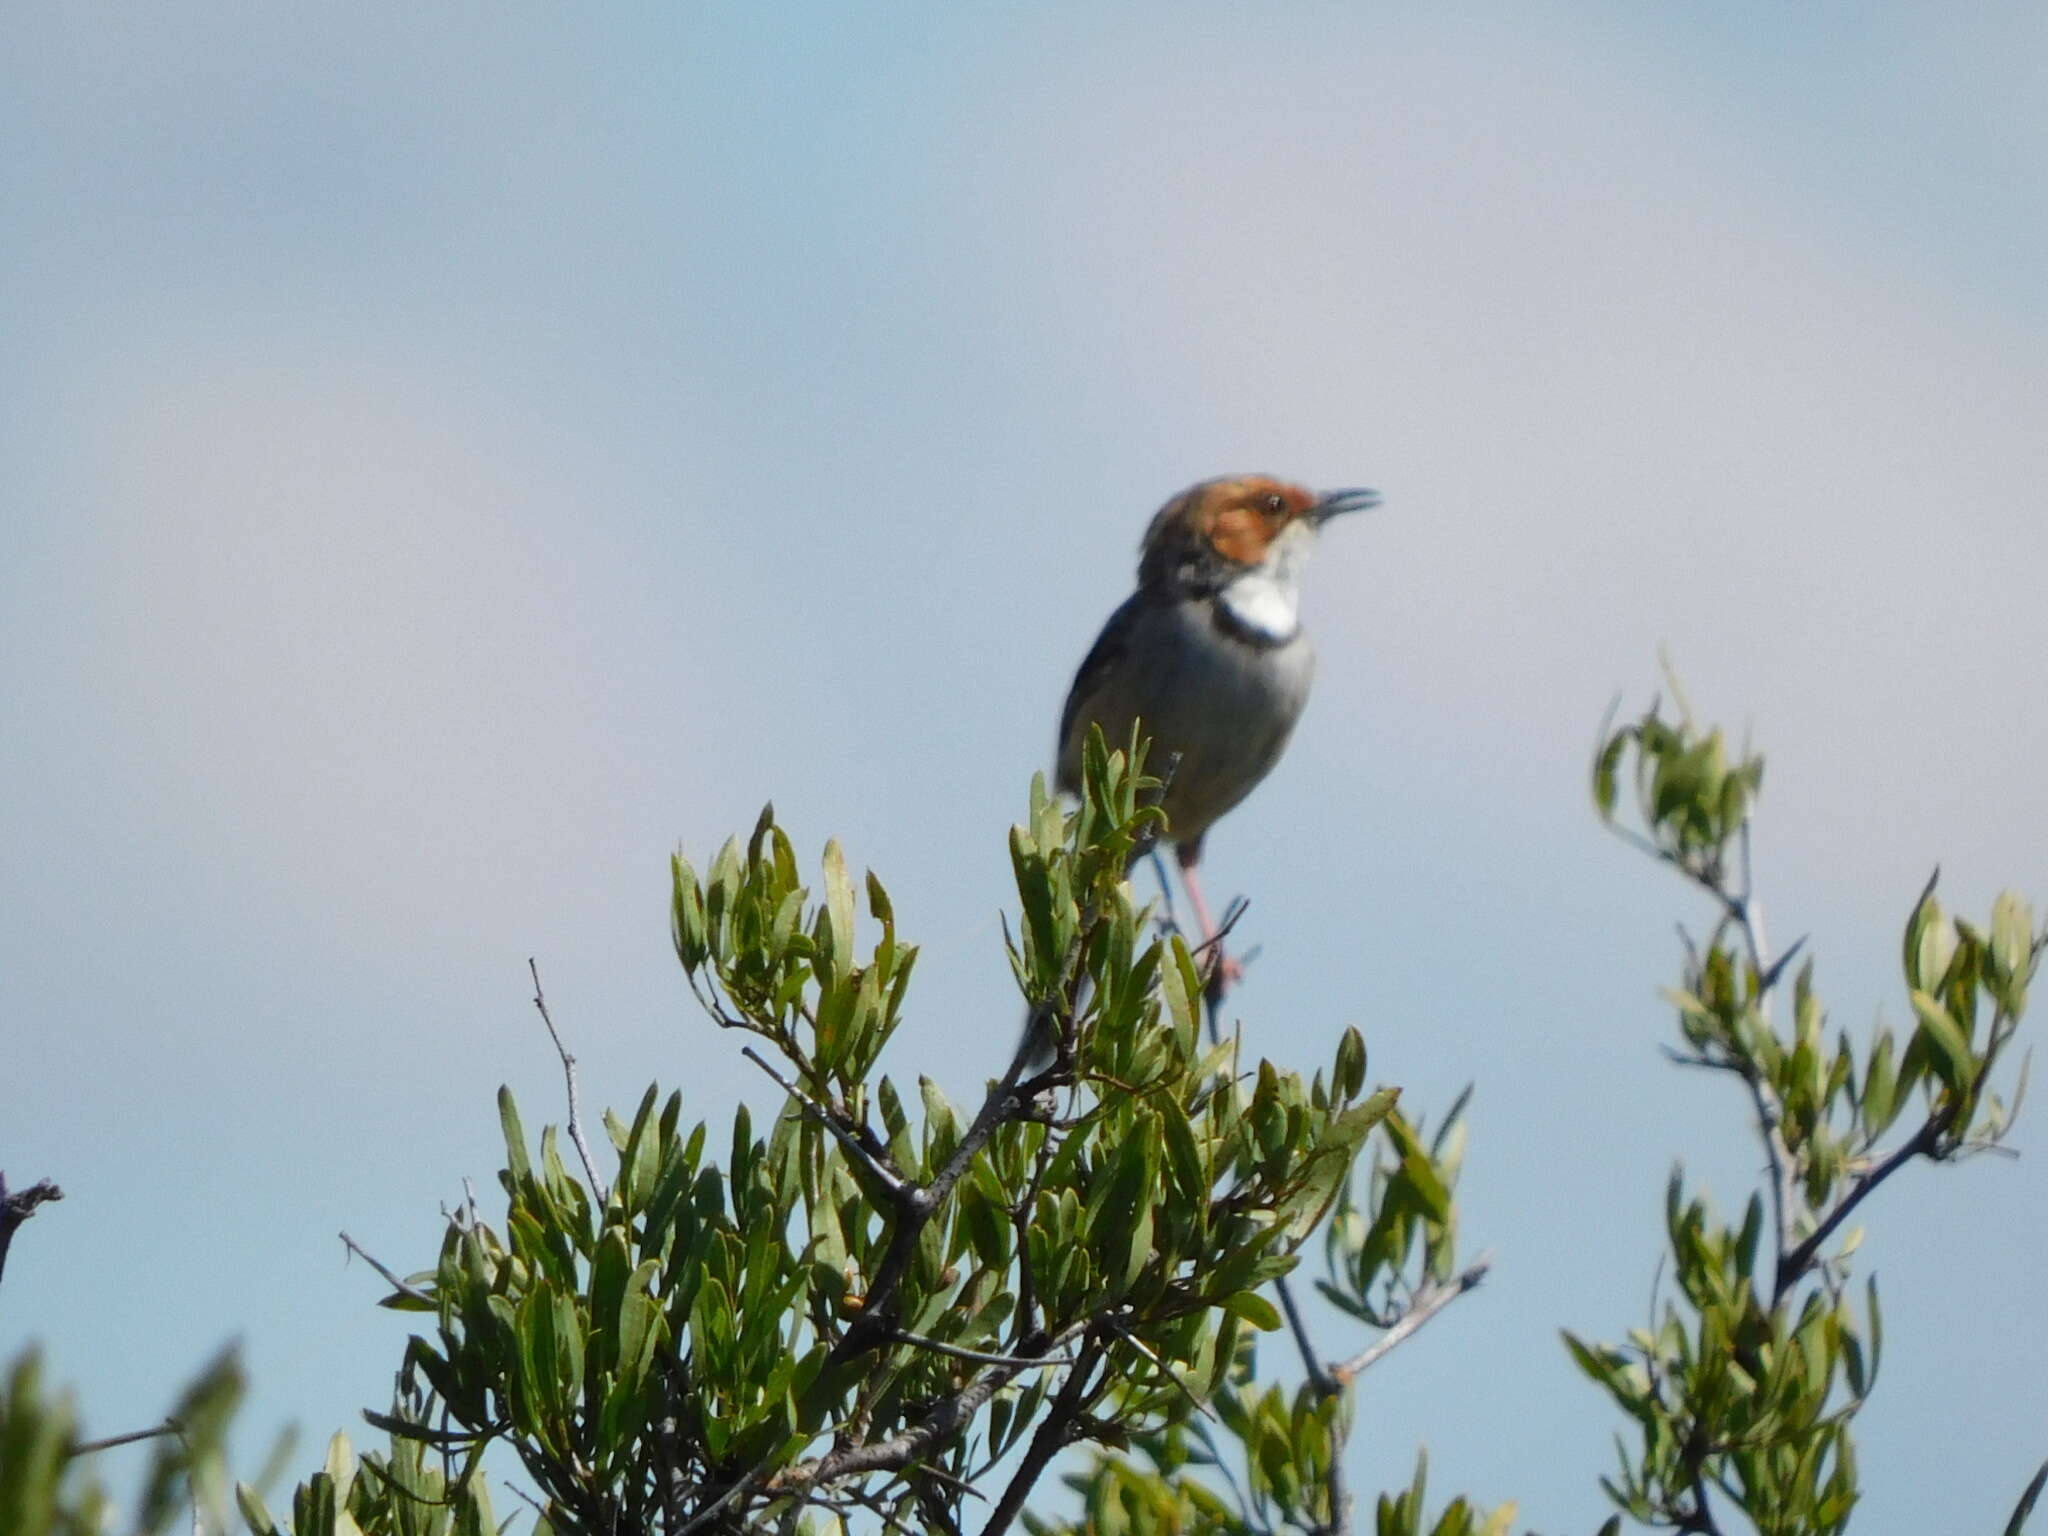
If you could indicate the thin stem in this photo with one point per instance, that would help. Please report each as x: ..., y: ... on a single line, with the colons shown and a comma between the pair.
x: 1424, y: 1305
x: 1319, y: 1376
x: 916, y: 1204
x: 569, y: 1075
x: 888, y: 1177
x: 1800, y: 1259
x: 901, y: 1449
x: 87, y: 1447
x: 397, y: 1284
x: 1742, y: 911
x: 1123, y: 1332
x: 979, y: 1356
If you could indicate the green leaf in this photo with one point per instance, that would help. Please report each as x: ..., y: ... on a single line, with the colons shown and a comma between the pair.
x: 1254, y: 1309
x: 2011, y: 950
x: 1191, y: 1174
x: 1347, y: 1077
x: 1602, y: 1366
x: 1752, y: 1230
x: 254, y: 1512
x: 839, y: 908
x: 1930, y: 941
x: 1951, y: 1046
x: 1605, y: 766
x: 516, y: 1159
x: 1351, y: 1127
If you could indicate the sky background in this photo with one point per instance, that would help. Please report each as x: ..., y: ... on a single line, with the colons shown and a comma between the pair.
x: 451, y: 457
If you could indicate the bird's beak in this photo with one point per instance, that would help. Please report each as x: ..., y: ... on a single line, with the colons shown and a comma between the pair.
x: 1334, y: 502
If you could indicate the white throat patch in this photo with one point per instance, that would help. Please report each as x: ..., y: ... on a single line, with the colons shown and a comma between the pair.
x: 1267, y: 598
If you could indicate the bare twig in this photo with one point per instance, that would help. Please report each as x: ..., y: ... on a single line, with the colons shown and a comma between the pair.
x: 520, y: 1493
x: 540, y: 1002
x: 746, y: 1484
x: 397, y: 1284
x: 889, y: 1178
x: 906, y: 1446
x: 1431, y: 1299
x: 18, y: 1207
x: 979, y: 1356
x: 1699, y: 1520
x: 1742, y: 912
x: 1340, y: 1497
x: 1319, y: 1376
x: 1233, y: 914
x: 1123, y: 1332
x: 87, y: 1447
x: 1748, y: 918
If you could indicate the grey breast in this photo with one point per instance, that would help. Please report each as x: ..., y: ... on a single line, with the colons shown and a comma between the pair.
x: 1225, y: 703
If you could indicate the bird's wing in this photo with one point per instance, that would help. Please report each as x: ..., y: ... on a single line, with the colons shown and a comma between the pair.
x: 1097, y: 667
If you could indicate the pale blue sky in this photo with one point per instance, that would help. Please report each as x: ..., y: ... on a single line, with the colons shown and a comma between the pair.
x: 448, y: 459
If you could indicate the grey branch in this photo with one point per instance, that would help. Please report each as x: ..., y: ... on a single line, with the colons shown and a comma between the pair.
x: 1168, y: 1372
x: 978, y: 1356
x: 889, y: 1178
x: 916, y: 1204
x: 1770, y: 1114
x: 1431, y: 1299
x: 1923, y: 1143
x: 398, y: 1285
x: 87, y: 1447
x: 900, y: 1449
x: 1742, y: 911
x: 1319, y: 1375
x: 597, y: 1185
x: 1076, y: 1393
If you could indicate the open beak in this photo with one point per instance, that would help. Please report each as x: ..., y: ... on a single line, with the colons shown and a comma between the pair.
x: 1333, y: 503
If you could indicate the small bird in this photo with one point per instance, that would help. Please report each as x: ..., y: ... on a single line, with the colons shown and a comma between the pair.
x: 1208, y: 653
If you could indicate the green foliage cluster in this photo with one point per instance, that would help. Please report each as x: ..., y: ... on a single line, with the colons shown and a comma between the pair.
x: 47, y: 1487
x: 407, y: 1491
x: 880, y: 1304
x: 882, y: 1310
x: 1745, y: 1385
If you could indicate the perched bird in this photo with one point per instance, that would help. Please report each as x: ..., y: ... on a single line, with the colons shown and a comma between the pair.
x: 1208, y: 652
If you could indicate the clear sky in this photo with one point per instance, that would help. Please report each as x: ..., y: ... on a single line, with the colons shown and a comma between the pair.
x: 452, y: 454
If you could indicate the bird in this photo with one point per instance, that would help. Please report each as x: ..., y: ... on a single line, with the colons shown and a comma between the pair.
x: 1208, y: 653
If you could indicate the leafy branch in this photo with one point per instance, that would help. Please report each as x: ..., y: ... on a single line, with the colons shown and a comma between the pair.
x: 1748, y: 1391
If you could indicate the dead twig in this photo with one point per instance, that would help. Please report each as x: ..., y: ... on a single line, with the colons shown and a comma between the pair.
x: 855, y: 1149
x: 87, y: 1447
x: 413, y: 1292
x: 569, y: 1075
x: 1431, y: 1299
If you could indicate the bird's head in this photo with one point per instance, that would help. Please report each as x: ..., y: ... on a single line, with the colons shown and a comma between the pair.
x: 1219, y: 530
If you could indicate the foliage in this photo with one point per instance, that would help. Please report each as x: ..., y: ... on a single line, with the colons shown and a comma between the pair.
x: 47, y: 1487
x: 880, y: 1310
x: 1745, y: 1385
x: 879, y: 1306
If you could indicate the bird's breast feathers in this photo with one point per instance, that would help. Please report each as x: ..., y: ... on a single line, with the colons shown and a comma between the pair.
x: 1217, y: 686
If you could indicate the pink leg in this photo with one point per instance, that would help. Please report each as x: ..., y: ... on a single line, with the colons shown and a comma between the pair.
x: 1226, y: 969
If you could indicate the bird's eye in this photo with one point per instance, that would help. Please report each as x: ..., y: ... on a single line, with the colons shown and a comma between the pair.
x: 1275, y: 503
